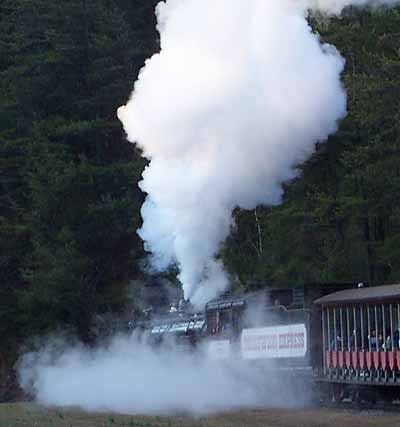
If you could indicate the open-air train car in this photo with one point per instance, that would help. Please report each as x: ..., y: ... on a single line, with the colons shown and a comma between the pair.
x: 360, y: 340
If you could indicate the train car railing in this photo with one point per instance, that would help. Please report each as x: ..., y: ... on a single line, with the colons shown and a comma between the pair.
x: 361, y: 335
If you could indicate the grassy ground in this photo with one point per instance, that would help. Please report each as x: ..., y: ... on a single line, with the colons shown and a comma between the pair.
x: 29, y: 415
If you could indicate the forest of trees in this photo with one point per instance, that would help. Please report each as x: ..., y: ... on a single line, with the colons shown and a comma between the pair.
x: 340, y: 219
x: 69, y: 200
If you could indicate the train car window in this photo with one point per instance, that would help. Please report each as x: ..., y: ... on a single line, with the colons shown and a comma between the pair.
x: 225, y: 326
x: 396, y: 325
x: 381, y: 326
x: 372, y: 328
x: 376, y: 334
x: 324, y: 330
x: 385, y: 334
x: 369, y: 328
x: 341, y: 328
x: 348, y: 328
x: 389, y: 339
x: 281, y: 297
x: 212, y: 322
x: 363, y: 326
x: 356, y: 332
x: 328, y: 327
x: 222, y: 322
x: 237, y: 321
x: 335, y: 331
x: 332, y: 328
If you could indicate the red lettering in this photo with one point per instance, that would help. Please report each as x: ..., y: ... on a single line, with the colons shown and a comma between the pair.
x: 291, y: 340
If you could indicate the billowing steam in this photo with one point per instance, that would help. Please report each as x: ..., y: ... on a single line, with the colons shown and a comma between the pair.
x: 130, y: 377
x: 239, y: 94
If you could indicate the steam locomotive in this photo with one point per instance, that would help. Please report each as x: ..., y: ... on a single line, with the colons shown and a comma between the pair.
x: 341, y: 341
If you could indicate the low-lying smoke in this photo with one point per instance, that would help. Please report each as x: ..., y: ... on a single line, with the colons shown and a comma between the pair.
x: 131, y: 377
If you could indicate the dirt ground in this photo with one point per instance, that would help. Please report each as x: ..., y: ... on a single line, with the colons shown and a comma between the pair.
x: 30, y: 415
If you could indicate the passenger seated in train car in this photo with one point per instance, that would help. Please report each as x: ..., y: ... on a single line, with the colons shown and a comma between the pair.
x: 336, y: 342
x: 396, y: 338
x: 373, y: 340
x: 364, y: 343
x: 387, y: 346
x: 353, y: 340
x: 380, y: 341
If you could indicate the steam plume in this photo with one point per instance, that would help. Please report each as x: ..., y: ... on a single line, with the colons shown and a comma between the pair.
x: 130, y: 377
x: 239, y: 94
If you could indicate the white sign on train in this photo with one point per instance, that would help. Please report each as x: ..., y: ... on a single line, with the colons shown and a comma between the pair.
x: 274, y: 342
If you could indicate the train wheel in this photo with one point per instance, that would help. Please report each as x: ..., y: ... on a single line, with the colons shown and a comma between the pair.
x: 356, y: 396
x: 337, y: 393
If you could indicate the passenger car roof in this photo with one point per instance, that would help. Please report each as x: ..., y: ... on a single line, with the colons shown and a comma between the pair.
x: 375, y: 294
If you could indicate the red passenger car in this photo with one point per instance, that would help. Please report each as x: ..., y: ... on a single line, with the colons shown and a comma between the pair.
x: 360, y: 334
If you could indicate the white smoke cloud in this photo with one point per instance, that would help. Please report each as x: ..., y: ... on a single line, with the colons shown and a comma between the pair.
x: 130, y: 377
x: 239, y: 94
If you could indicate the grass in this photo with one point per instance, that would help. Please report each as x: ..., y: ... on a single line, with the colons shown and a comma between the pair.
x: 30, y: 415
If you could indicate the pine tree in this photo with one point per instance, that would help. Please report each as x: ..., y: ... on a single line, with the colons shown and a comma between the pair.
x: 70, y: 204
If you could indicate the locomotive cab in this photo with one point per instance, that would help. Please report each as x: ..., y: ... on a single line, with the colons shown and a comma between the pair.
x: 224, y: 317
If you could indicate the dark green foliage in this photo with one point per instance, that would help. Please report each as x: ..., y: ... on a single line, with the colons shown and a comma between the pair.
x: 69, y: 201
x: 339, y: 220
